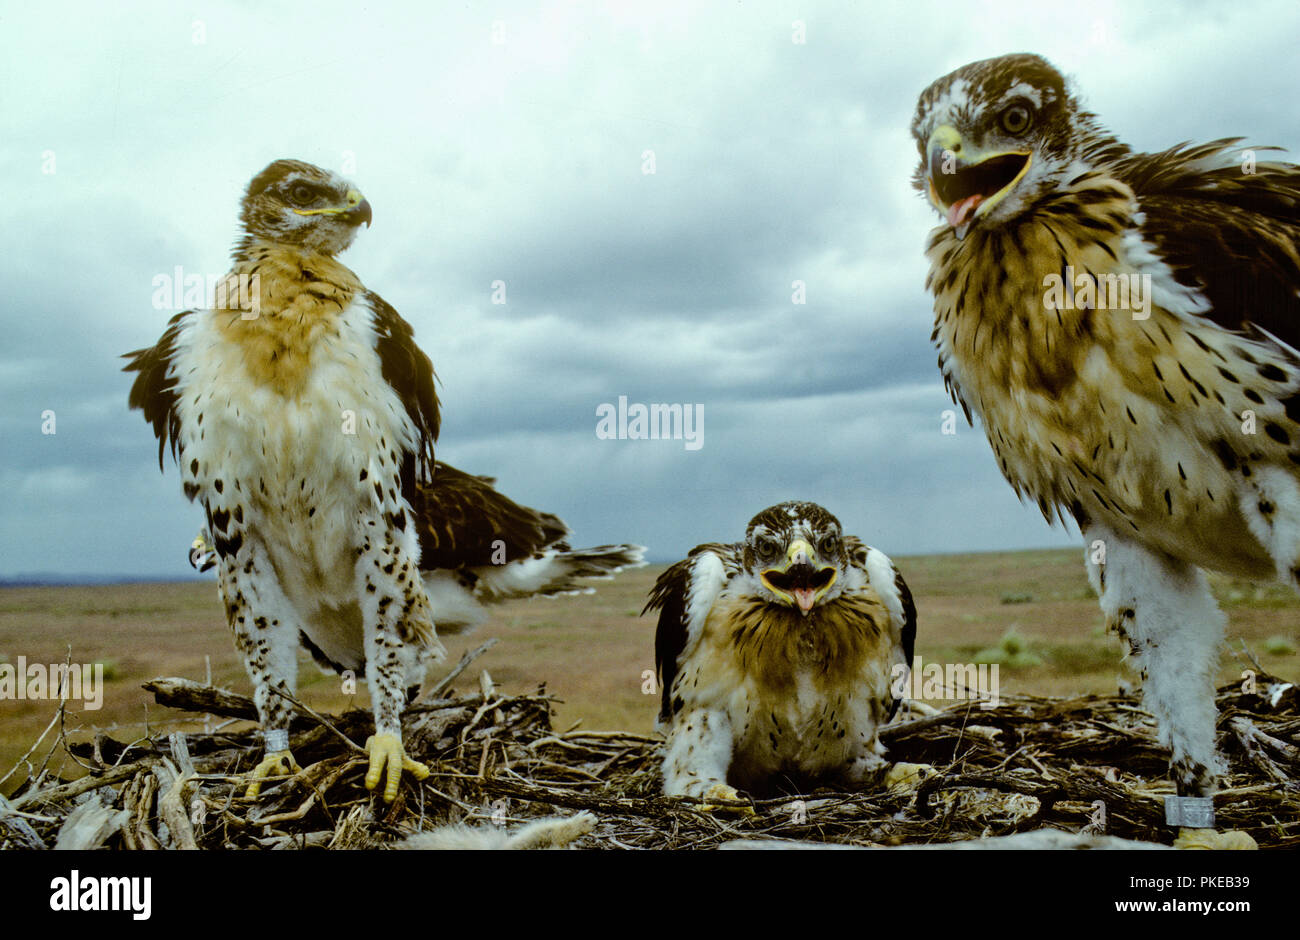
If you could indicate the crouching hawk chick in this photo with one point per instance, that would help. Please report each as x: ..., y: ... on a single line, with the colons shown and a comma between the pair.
x: 303, y: 416
x: 779, y: 657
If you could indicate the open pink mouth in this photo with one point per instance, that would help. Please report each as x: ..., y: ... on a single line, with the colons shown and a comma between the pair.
x: 802, y: 581
x: 963, y: 209
x: 963, y: 191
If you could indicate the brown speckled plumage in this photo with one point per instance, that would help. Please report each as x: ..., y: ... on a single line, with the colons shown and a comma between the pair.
x: 1167, y: 426
x: 759, y: 693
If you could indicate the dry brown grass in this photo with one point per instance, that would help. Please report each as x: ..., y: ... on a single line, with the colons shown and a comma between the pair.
x: 591, y: 650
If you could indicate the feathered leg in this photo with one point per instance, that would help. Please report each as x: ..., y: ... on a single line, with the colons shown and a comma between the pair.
x: 699, y: 755
x: 399, y: 641
x: 1164, y: 609
x: 266, y: 634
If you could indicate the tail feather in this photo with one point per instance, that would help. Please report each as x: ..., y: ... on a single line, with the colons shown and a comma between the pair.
x: 557, y: 571
x: 603, y: 561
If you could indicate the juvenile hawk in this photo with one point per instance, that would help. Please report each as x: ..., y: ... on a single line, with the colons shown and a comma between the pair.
x: 778, y: 656
x: 303, y: 416
x: 1126, y: 326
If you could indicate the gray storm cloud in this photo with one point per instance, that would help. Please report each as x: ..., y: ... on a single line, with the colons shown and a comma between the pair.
x: 512, y: 146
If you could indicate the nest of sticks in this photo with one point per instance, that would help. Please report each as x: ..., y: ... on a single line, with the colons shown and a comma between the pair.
x: 1087, y: 765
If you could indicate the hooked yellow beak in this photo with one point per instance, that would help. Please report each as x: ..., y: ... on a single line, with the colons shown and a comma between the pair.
x: 802, y: 579
x: 355, y: 210
x: 965, y: 183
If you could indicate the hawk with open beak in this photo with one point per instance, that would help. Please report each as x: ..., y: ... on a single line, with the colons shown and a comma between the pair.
x: 779, y: 657
x: 800, y: 577
x: 1127, y: 328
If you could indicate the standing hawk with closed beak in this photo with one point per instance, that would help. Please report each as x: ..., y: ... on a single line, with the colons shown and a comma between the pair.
x: 303, y: 417
x: 780, y: 657
x: 1126, y: 326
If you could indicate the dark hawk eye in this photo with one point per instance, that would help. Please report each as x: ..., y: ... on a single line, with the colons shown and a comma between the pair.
x: 302, y: 194
x: 830, y: 544
x: 767, y: 547
x: 1016, y: 119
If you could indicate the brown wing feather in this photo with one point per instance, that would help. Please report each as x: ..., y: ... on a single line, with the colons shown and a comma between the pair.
x: 461, y: 517
x: 908, y: 632
x: 154, y: 389
x: 1233, y: 235
x: 669, y: 596
x: 409, y: 371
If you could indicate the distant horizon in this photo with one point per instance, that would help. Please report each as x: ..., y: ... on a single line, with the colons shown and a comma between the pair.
x: 48, y: 579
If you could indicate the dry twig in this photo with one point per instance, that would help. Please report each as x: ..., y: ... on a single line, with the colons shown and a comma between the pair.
x: 1030, y: 763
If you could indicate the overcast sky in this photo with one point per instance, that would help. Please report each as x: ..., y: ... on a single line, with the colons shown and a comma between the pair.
x: 508, y: 142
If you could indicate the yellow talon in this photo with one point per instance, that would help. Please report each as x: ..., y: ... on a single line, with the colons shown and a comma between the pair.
x: 723, y: 793
x: 275, y: 764
x: 386, y: 750
x: 1213, y: 839
x: 903, y: 776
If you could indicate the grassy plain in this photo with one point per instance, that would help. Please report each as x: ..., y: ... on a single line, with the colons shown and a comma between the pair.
x: 593, y: 651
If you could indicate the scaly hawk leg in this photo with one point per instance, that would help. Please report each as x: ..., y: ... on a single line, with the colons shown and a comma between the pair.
x: 386, y: 752
x: 278, y: 761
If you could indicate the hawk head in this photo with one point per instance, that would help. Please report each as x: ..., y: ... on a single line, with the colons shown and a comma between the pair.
x: 794, y: 554
x: 301, y: 205
x: 995, y: 136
